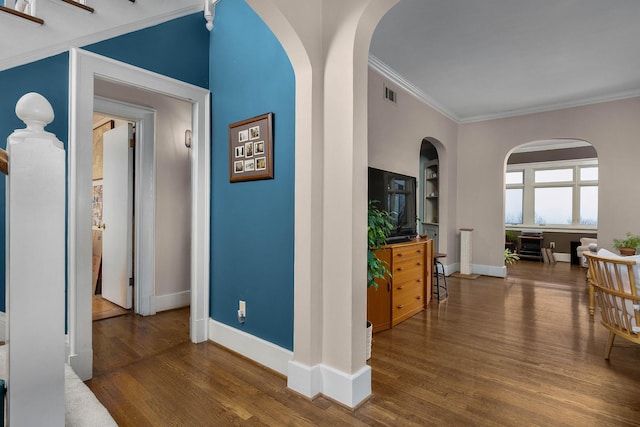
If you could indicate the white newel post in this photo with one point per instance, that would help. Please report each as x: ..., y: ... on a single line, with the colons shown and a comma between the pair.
x: 465, y: 251
x: 35, y: 269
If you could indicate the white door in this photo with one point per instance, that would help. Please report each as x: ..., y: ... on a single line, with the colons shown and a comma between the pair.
x: 117, y: 241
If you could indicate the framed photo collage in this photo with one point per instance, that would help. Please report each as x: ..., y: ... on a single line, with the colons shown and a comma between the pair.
x: 251, y: 149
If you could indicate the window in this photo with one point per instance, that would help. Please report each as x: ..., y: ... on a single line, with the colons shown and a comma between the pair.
x: 562, y: 194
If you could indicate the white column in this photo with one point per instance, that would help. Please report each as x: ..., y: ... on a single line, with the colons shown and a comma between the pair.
x: 35, y: 269
x: 465, y: 250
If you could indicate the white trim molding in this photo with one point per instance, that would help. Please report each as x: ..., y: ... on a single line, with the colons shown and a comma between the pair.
x: 489, y: 270
x: 263, y: 352
x: 390, y: 74
x: 312, y: 381
x: 172, y: 301
x: 309, y: 381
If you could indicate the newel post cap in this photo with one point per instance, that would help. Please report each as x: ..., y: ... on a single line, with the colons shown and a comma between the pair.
x: 35, y: 111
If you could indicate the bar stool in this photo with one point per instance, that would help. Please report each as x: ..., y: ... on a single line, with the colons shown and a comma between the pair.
x: 437, y: 275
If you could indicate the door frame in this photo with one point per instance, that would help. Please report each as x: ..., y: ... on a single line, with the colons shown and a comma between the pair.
x: 144, y: 242
x: 84, y: 67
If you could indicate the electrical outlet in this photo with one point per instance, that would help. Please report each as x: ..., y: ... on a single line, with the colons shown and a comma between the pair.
x: 243, y: 308
x: 552, y: 245
x: 242, y: 311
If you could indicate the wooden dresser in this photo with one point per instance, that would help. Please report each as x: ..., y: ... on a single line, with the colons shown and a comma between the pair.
x: 408, y: 290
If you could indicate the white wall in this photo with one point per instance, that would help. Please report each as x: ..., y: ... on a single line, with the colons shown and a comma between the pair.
x: 612, y: 127
x: 173, y: 185
x: 396, y: 132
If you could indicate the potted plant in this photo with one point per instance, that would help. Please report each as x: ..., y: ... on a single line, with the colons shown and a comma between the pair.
x: 378, y: 229
x: 510, y: 257
x: 628, y: 245
x: 510, y: 239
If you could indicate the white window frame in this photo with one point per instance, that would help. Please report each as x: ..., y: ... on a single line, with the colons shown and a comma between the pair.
x: 529, y: 186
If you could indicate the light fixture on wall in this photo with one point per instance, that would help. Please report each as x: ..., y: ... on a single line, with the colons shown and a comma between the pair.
x: 187, y: 138
x: 209, y: 12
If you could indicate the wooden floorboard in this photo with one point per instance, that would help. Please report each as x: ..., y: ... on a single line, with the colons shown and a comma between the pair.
x: 104, y: 309
x: 520, y: 351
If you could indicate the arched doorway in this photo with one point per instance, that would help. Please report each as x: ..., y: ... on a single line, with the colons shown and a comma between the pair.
x: 551, y: 199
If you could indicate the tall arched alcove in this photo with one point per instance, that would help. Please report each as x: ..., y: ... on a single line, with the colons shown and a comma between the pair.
x: 432, y: 196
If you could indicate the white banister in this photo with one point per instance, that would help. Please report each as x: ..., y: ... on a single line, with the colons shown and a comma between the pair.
x: 35, y: 269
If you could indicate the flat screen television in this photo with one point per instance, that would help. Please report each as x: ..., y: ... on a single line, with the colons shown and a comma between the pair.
x: 395, y: 193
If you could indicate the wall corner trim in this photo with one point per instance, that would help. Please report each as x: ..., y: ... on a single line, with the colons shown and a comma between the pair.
x: 312, y: 381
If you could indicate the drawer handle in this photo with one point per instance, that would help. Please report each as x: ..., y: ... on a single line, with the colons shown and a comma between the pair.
x: 400, y: 307
x: 418, y: 297
x: 419, y: 280
x: 419, y: 251
x: 400, y: 254
x: 419, y: 263
x: 400, y: 288
x: 399, y: 269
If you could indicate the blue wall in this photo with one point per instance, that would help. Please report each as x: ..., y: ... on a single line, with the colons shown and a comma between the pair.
x: 252, y: 222
x: 179, y: 49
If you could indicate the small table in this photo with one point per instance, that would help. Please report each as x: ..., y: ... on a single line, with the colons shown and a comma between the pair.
x: 437, y: 275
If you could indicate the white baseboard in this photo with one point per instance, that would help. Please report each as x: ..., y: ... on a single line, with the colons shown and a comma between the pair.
x: 489, y: 270
x: 449, y: 269
x: 303, y: 379
x: 82, y: 364
x: 171, y: 301
x: 311, y: 381
x: 562, y: 257
x: 256, y: 349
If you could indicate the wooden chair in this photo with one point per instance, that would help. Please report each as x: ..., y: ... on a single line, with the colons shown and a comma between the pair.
x: 618, y: 297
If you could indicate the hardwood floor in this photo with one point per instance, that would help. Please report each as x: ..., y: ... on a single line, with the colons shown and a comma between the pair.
x: 520, y: 351
x: 104, y: 309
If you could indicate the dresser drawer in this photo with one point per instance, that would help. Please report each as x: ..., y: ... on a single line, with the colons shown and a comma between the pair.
x: 406, y: 305
x: 408, y: 252
x: 407, y: 269
x: 411, y: 286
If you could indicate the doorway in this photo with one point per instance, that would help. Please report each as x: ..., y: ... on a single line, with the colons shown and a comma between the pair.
x: 86, y: 69
x: 550, y: 200
x: 112, y: 203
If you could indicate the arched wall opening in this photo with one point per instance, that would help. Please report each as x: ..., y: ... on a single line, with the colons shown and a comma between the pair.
x: 328, y: 49
x: 550, y: 199
x: 432, y: 197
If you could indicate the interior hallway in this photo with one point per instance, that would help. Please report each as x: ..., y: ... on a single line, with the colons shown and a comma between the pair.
x: 516, y: 351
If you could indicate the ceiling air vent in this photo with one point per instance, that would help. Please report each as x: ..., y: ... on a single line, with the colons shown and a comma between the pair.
x: 390, y: 94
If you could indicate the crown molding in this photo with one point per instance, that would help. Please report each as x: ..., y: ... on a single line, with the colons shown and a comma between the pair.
x: 552, y: 107
x: 389, y: 73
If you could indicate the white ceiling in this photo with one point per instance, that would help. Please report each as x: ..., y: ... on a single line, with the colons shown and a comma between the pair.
x: 470, y: 59
x: 480, y: 59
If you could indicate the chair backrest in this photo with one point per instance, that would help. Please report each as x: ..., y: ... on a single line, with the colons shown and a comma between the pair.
x: 617, y: 294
